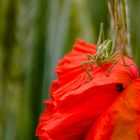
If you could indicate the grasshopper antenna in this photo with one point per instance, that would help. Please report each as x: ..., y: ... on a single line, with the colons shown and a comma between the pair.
x: 101, y: 35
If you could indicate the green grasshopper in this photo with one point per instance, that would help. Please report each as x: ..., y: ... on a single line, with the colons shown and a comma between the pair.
x: 105, y: 53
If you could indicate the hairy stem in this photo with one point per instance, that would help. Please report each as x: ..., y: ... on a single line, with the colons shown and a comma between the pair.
x: 118, y: 14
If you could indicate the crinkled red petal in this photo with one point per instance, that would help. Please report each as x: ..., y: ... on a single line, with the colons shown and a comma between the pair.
x: 122, y: 118
x: 71, y: 76
x: 73, y: 118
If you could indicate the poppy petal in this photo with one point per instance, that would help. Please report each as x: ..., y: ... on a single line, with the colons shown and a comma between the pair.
x: 73, y: 120
x: 71, y: 76
x: 122, y: 118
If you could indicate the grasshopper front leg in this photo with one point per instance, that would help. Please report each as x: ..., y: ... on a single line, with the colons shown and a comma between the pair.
x: 90, y: 58
x: 84, y: 68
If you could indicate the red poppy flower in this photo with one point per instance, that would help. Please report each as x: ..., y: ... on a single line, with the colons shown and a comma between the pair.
x: 77, y: 106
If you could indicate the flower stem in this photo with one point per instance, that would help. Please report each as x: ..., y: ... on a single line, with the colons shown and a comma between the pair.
x: 119, y: 19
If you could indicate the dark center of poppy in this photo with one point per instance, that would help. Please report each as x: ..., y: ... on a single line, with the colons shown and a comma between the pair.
x: 119, y: 87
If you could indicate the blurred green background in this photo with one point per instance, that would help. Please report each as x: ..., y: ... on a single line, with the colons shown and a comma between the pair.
x: 34, y: 34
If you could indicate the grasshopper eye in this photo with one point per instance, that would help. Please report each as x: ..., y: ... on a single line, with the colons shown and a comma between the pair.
x: 119, y: 87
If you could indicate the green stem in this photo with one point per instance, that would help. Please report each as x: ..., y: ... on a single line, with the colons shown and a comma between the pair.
x: 119, y: 17
x: 123, y: 3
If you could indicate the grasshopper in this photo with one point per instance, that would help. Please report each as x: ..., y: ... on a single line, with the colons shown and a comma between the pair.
x: 105, y: 53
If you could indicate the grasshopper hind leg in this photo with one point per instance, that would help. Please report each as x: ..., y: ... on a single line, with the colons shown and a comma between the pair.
x: 115, y: 61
